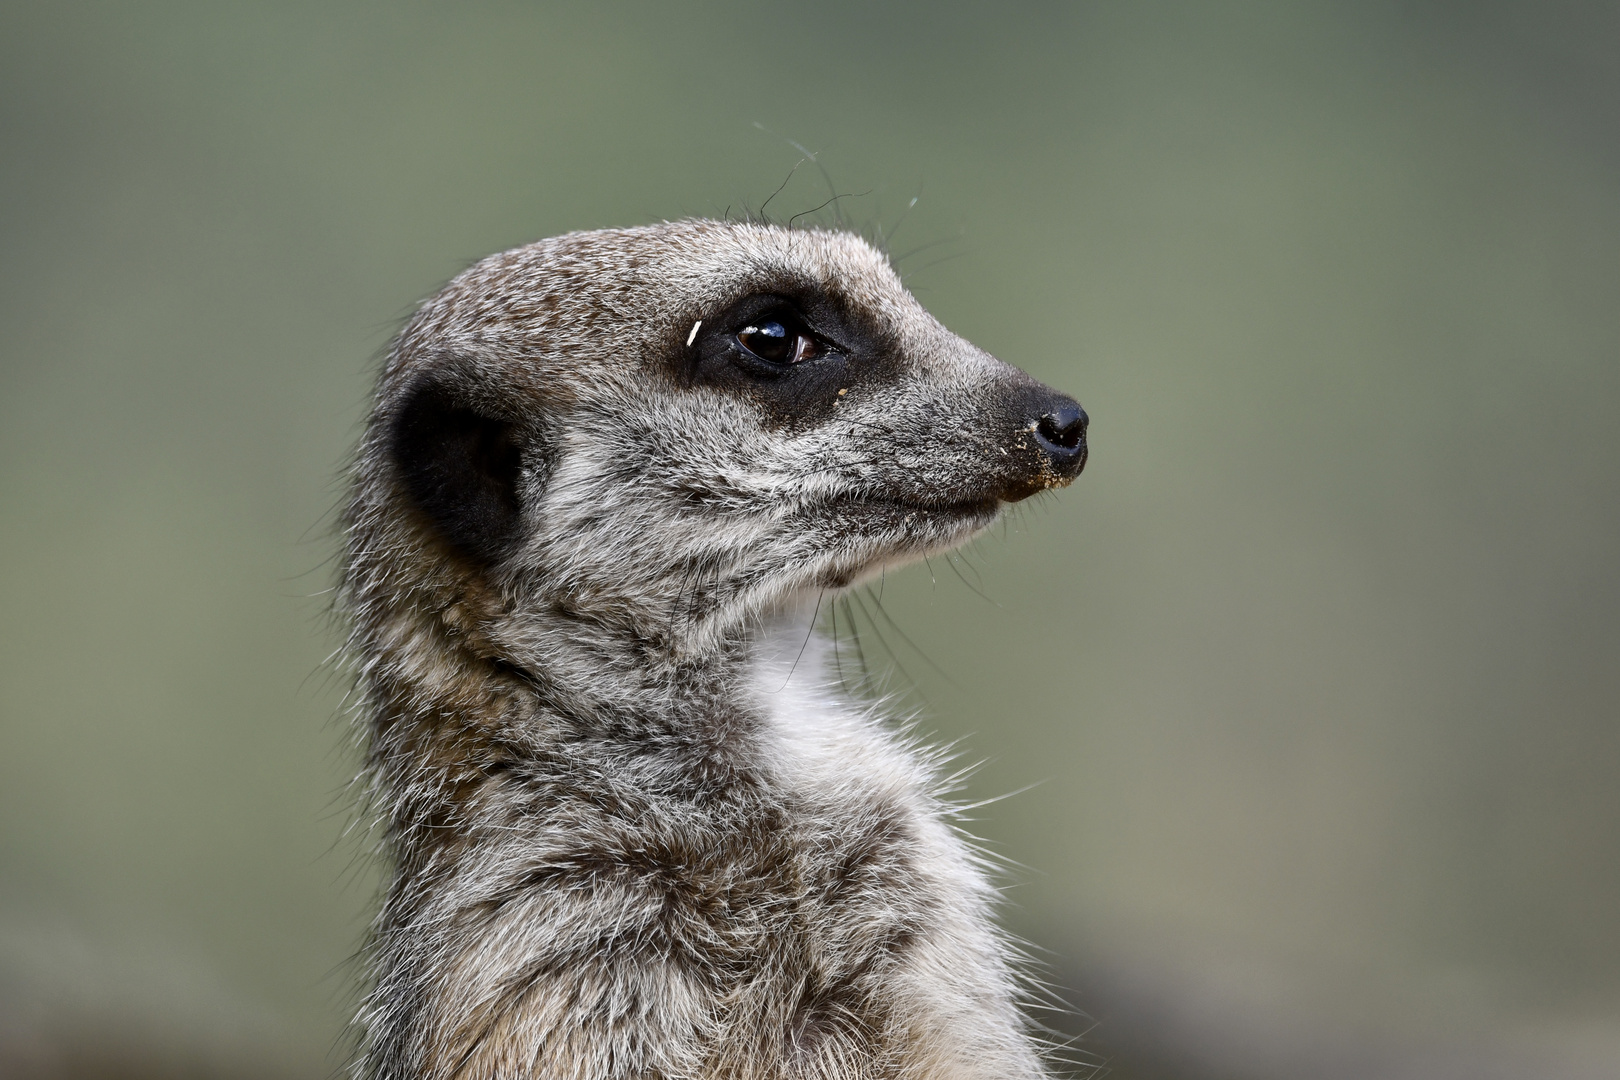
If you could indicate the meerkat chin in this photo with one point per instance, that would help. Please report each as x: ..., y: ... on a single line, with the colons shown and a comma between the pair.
x: 604, y: 481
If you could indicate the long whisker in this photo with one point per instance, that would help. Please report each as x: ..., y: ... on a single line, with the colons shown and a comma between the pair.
x: 980, y: 592
x: 838, y: 663
x: 804, y: 644
x: 855, y: 634
x: 907, y: 639
x: 894, y: 657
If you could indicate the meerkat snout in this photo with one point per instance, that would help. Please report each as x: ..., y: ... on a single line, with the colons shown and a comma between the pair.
x: 637, y: 830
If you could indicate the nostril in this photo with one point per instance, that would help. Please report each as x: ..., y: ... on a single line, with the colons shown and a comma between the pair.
x: 1063, y: 428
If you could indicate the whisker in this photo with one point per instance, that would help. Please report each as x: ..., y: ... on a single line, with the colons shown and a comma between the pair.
x: 907, y: 639
x: 804, y: 644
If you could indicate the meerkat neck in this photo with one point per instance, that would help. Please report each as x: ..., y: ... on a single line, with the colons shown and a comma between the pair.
x: 454, y: 707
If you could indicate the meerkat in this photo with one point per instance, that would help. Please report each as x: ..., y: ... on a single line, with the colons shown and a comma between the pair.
x: 637, y: 830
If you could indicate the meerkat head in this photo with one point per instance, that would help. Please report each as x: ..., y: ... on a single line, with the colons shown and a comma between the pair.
x: 672, y: 431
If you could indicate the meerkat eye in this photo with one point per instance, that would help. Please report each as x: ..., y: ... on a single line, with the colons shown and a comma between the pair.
x: 778, y: 339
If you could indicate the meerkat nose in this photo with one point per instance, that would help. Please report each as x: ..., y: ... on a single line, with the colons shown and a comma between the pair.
x: 1061, y: 431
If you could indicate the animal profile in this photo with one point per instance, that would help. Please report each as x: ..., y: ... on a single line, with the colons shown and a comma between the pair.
x: 636, y: 828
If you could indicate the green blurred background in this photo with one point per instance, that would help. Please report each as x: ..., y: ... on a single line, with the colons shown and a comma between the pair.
x: 1319, y: 662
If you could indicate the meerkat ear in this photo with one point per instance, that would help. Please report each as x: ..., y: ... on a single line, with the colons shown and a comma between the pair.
x: 461, y: 468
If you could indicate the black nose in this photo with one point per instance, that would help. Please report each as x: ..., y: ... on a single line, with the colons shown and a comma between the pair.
x: 1061, y: 431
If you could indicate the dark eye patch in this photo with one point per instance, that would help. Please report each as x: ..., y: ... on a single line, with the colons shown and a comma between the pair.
x: 792, y: 353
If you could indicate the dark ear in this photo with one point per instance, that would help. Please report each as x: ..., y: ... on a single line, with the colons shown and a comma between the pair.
x: 460, y: 468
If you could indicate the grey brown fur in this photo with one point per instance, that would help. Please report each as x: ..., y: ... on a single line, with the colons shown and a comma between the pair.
x: 636, y: 829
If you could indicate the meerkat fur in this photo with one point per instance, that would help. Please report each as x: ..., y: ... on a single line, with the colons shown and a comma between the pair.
x: 636, y: 828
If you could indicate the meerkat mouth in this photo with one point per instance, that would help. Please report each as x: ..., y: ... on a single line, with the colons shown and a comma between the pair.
x: 984, y: 506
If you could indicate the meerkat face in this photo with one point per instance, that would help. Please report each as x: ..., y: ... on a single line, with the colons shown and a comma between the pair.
x: 674, y: 429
